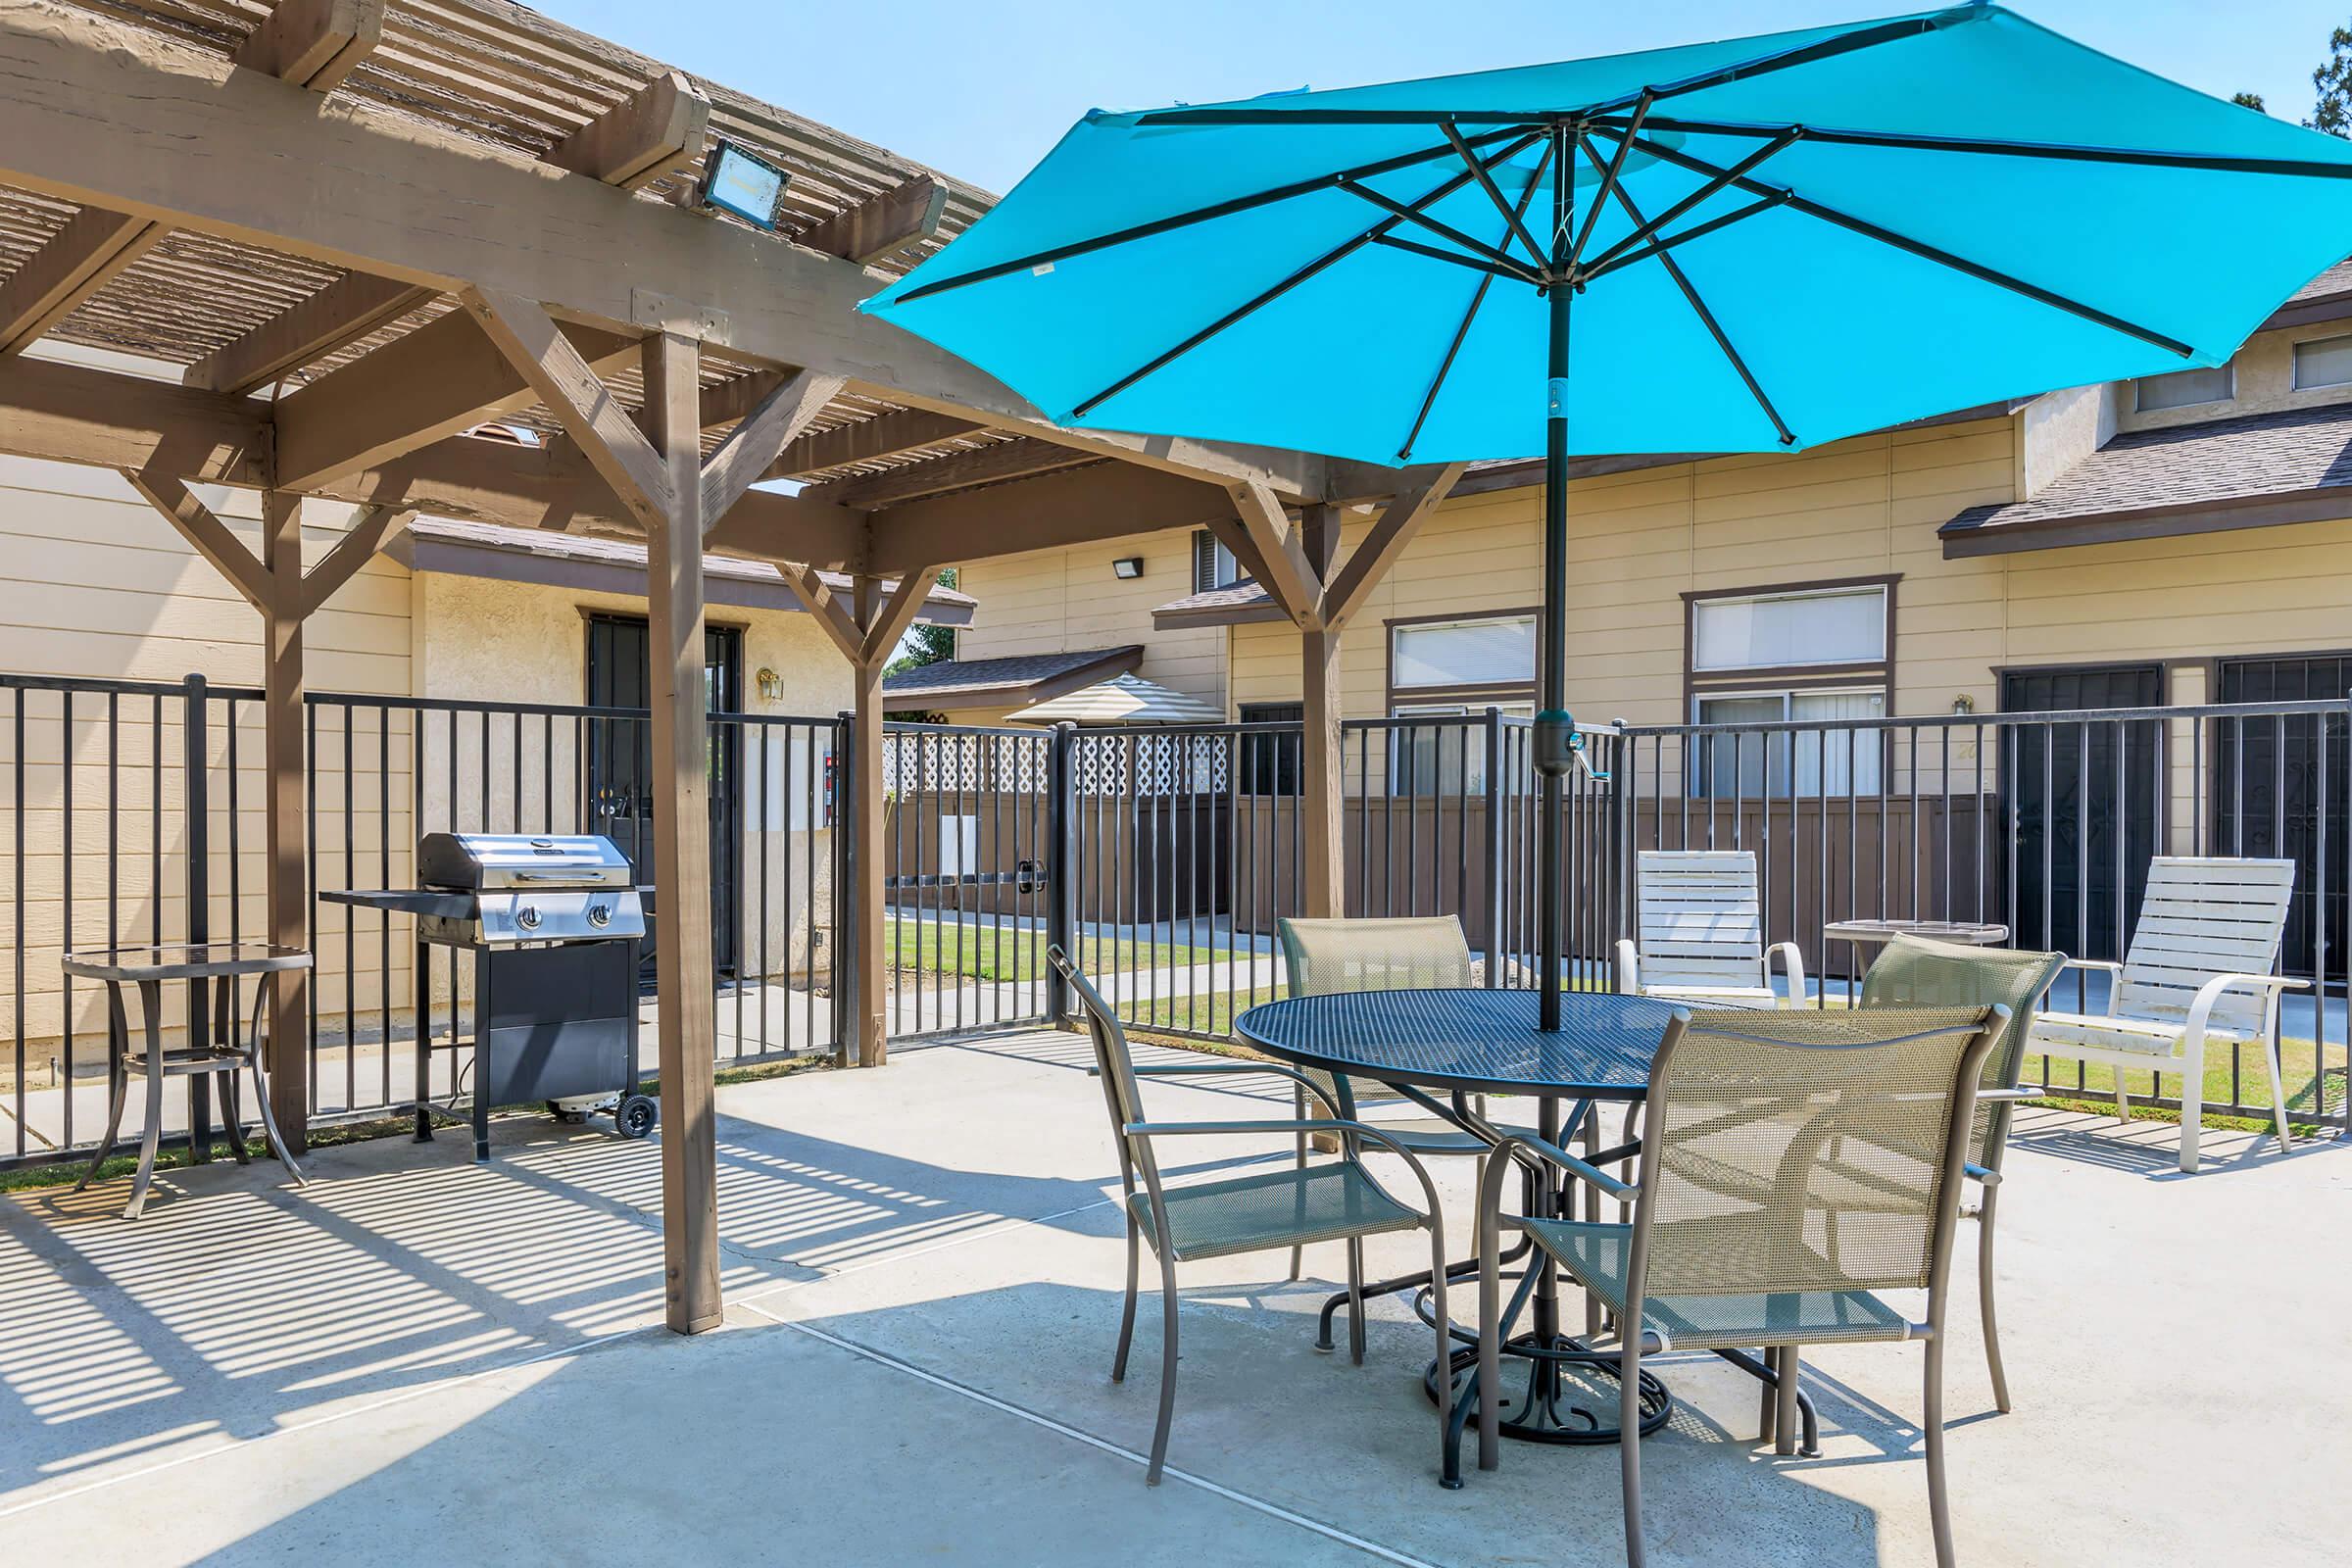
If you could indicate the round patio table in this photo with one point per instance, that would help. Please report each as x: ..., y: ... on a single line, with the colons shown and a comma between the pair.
x: 1471, y: 1042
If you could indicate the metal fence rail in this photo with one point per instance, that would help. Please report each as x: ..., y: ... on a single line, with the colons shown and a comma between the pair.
x: 131, y: 814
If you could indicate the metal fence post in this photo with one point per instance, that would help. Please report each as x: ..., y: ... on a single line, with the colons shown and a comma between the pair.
x: 196, y: 811
x: 1061, y: 860
x: 848, y: 919
x: 1618, y: 857
x: 1493, y: 847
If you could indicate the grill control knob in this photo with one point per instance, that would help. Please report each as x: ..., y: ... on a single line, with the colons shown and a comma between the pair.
x: 599, y: 915
x: 527, y: 917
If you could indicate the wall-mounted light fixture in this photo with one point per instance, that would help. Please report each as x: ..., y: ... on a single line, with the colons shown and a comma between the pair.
x: 771, y: 684
x: 1964, y: 704
x: 742, y: 182
x: 1127, y: 567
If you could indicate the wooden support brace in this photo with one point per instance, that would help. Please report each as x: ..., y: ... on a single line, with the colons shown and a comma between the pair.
x: 1290, y: 578
x: 370, y: 531
x: 752, y: 446
x: 210, y: 537
x: 1371, y: 559
x: 585, y: 406
x: 883, y: 224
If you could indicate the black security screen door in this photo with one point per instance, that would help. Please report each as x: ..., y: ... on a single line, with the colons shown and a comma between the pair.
x: 622, y: 787
x: 2085, y: 802
x: 2266, y: 784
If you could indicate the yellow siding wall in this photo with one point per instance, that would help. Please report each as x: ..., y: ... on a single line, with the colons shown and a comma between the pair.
x: 1057, y: 600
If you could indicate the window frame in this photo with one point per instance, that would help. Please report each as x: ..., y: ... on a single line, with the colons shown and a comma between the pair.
x: 1204, y: 540
x: 1471, y: 694
x: 2228, y: 394
x: 2294, y: 369
x: 1787, y: 683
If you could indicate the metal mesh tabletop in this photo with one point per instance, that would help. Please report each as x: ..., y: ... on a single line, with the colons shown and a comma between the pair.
x: 1472, y: 1039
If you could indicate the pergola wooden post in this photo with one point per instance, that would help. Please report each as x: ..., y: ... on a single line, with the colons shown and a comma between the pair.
x: 866, y: 630
x: 1299, y: 566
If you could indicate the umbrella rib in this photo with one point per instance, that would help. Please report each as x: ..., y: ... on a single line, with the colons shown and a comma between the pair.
x: 2220, y: 163
x: 1608, y: 179
x: 1659, y: 247
x: 1470, y: 160
x: 1504, y: 259
x: 1650, y: 230
x: 1201, y: 215
x: 1462, y: 333
x: 1927, y: 252
x: 1699, y: 306
x: 1801, y: 54
x: 1515, y: 270
x: 1330, y: 258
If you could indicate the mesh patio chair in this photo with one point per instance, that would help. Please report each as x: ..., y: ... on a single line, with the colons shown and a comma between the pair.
x: 1335, y: 1199
x: 1793, y: 1164
x: 1912, y: 972
x: 1388, y: 954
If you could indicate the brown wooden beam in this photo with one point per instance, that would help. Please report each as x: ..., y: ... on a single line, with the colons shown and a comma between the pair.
x: 446, y: 376
x: 285, y: 827
x: 1109, y: 500
x: 77, y: 414
x: 687, y: 1026
x: 882, y: 224
x: 659, y: 128
x: 313, y: 43
x: 752, y: 446
x: 170, y: 132
x: 1322, y: 777
x: 338, y: 314
x: 374, y: 528
x: 583, y: 405
x: 868, y: 897
x: 838, y: 619
x: 1398, y: 522
x: 1288, y: 576
x: 885, y: 435
x: 80, y: 259
x: 988, y: 464
x: 899, y: 604
x: 208, y: 537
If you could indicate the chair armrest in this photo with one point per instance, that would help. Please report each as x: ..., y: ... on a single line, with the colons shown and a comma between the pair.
x: 1629, y: 968
x: 2210, y: 993
x: 2109, y: 966
x: 1986, y: 1097
x: 1559, y: 1156
x: 1188, y: 1070
x: 1792, y: 961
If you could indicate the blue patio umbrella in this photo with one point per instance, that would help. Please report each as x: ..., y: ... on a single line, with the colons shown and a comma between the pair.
x: 1752, y: 245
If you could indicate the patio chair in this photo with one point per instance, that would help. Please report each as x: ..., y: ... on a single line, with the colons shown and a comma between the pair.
x: 2197, y: 972
x: 1388, y: 954
x: 1793, y: 1164
x: 1335, y: 1199
x: 1702, y: 933
x: 1914, y: 972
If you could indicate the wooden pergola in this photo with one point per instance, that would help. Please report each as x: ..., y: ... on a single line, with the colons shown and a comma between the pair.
x: 362, y: 228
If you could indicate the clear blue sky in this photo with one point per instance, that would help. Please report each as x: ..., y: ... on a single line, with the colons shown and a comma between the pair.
x: 982, y: 90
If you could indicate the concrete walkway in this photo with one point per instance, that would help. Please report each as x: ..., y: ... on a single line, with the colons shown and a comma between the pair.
x: 420, y: 1357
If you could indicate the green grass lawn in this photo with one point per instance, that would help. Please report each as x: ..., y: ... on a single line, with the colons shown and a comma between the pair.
x: 978, y: 953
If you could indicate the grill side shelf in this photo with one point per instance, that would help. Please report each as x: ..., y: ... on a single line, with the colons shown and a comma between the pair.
x: 406, y: 901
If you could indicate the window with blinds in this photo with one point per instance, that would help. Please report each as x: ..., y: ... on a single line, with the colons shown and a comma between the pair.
x: 1815, y: 656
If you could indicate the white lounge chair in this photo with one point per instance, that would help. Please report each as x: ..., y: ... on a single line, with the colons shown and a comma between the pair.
x: 2196, y: 973
x: 1702, y: 933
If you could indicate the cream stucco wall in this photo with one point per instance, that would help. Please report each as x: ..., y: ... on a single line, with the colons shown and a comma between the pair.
x: 2265, y: 381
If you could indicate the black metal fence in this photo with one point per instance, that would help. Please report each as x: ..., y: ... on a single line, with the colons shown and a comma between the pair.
x: 133, y: 814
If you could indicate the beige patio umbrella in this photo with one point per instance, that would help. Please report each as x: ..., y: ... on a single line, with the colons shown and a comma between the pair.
x: 1122, y: 700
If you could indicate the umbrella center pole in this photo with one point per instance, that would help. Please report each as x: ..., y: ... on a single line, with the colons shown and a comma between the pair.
x: 1555, y: 731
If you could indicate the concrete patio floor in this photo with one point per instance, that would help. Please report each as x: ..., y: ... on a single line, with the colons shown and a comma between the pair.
x: 923, y: 1274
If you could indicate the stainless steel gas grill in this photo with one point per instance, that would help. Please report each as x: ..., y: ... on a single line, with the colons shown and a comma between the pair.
x: 553, y: 923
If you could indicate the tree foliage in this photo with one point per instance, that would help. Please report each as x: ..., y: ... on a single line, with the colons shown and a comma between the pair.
x: 926, y: 645
x: 2332, y: 109
x: 2250, y: 100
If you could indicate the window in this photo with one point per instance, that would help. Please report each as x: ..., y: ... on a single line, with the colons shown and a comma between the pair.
x: 1496, y: 650
x: 2178, y: 389
x: 1446, y: 759
x: 1213, y: 565
x: 2324, y: 361
x: 1796, y: 655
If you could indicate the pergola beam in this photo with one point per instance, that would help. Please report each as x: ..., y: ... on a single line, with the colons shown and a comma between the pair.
x: 884, y: 223
x: 313, y: 43
x: 338, y: 314
x: 656, y: 129
x: 582, y: 404
x: 752, y: 446
x: 169, y: 132
x: 80, y: 259
x: 885, y: 435
x: 993, y: 464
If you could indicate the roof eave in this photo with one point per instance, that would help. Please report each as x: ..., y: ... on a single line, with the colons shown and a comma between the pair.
x: 2277, y: 508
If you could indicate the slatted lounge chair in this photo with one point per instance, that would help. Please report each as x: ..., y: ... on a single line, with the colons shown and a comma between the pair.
x: 1331, y: 1201
x: 1702, y: 933
x: 1794, y: 1164
x: 1914, y: 972
x: 2197, y: 973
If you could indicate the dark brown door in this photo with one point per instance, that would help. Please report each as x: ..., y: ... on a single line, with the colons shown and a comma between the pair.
x: 2268, y: 775
x: 2084, y: 794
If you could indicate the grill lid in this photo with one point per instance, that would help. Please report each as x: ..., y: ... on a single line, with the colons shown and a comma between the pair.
x: 485, y: 860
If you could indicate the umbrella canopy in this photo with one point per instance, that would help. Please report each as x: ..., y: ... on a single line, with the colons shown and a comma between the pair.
x: 1810, y: 235
x: 1122, y: 700
x: 1753, y: 245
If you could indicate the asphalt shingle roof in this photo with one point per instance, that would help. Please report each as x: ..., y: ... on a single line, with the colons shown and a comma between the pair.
x: 2247, y: 457
x: 952, y: 675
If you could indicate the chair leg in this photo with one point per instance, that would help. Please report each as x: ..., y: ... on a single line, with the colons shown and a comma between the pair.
x: 1768, y: 1397
x: 117, y: 1084
x: 1447, y: 1473
x: 1167, y: 1372
x: 1940, y: 1502
x: 152, y: 1005
x: 1355, y: 1298
x: 2192, y: 1109
x: 1788, y: 1369
x: 2279, y: 1096
x: 1119, y: 1363
x: 1629, y: 1445
x: 1985, y: 1307
x: 1299, y: 1108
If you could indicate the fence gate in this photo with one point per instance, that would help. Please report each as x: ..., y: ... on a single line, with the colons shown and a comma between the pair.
x: 967, y: 843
